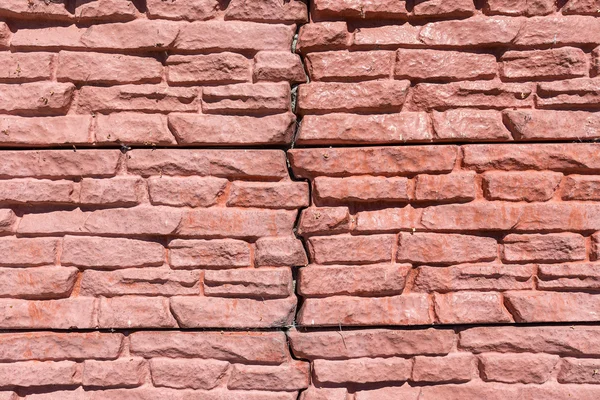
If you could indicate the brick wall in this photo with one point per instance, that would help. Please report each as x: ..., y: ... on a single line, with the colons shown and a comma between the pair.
x: 267, y: 199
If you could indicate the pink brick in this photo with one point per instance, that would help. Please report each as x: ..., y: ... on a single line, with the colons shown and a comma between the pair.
x: 469, y: 125
x: 471, y: 32
x: 320, y: 36
x: 554, y: 64
x: 551, y: 248
x: 362, y: 370
x: 291, y: 376
x: 50, y: 38
x: 581, y: 187
x: 520, y: 186
x: 198, y: 10
x: 580, y: 276
x: 433, y: 248
x: 109, y: 10
x: 118, y: 191
x: 289, y: 195
x: 189, y: 191
x: 322, y: 220
x: 25, y: 67
x: 267, y: 11
x: 517, y: 368
x: 569, y: 94
x: 259, y: 283
x: 454, y: 368
x: 37, y: 283
x: 259, y: 98
x: 280, y: 252
x: 5, y: 35
x: 135, y: 312
x: 132, y: 128
x: 388, y: 219
x: 313, y: 393
x: 73, y: 129
x: 123, y: 372
x: 144, y: 220
x: 275, y: 66
x: 225, y: 253
x: 39, y: 98
x: 209, y: 68
x: 477, y: 216
x: 32, y: 373
x: 558, y: 31
x: 360, y: 189
x: 443, y: 65
x: 22, y: 314
x: 441, y: 8
x: 470, y: 308
x: 346, y: 66
x: 385, y: 9
x: 584, y: 7
x: 578, y: 370
x: 187, y: 373
x: 25, y: 252
x: 390, y: 36
x: 7, y: 220
x: 350, y: 249
x: 555, y: 125
x: 389, y: 393
x: 552, y: 306
x: 455, y: 187
x: 37, y: 191
x: 140, y: 34
x: 15, y: 8
x: 559, y: 217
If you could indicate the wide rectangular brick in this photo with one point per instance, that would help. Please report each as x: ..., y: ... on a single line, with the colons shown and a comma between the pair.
x: 362, y: 370
x: 360, y: 189
x: 140, y: 34
x: 48, y: 38
x: 231, y: 130
x: 578, y: 370
x: 101, y: 68
x: 244, y: 164
x: 77, y: 312
x: 350, y: 249
x: 132, y: 128
x: 441, y: 8
x: 279, y: 251
x: 236, y: 223
x: 550, y: 248
x: 324, y: 220
x: 293, y: 11
x: 453, y: 368
x: 293, y: 375
x: 558, y: 31
x: 37, y: 283
x: 336, y: 9
x: 470, y: 308
x: 434, y: 248
x: 457, y: 187
x: 382, y: 161
x: 118, y: 191
x: 209, y: 68
x: 247, y: 98
x: 478, y: 216
x: 388, y: 220
x: 434, y: 65
x: 358, y: 280
x: 471, y: 32
x: 224, y: 253
x: 105, y: 10
x: 466, y: 125
x: 519, y: 7
x: 34, y: 131
x: 565, y: 277
x: 18, y: 9
x: 387, y: 37
x: 33, y: 373
x: 124, y: 312
x: 562, y: 216
x: 581, y: 187
x: 276, y: 66
x: 244, y: 347
x: 111, y: 253
x: 314, y: 393
x: 520, y: 186
x: 345, y: 66
x: 340, y: 128
x: 410, y: 309
x: 561, y: 63
x: 261, y: 283
x: 582, y: 7
x: 490, y: 277
x: 25, y: 67
x: 390, y: 392
x: 569, y: 94
x: 207, y: 312
x: 553, y: 306
x: 39, y: 98
x: 290, y: 195
x: 218, y: 36
x: 187, y: 373
x: 26, y: 252
x: 37, y: 191
x: 381, y: 96
x: 149, y: 392
x: 123, y: 372
x: 517, y: 368
x: 372, y: 343
x: 322, y: 36
x: 199, y: 10
x: 190, y: 191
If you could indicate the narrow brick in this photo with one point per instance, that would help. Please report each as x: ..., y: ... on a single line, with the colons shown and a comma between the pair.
x: 123, y: 372
x: 360, y: 189
x: 552, y: 306
x: 433, y: 65
x: 550, y: 248
x: 224, y: 253
x: 469, y: 125
x: 124, y: 312
x: 288, y: 195
x: 293, y: 375
x: 345, y: 66
x: 520, y: 186
x: 470, y: 308
x: 261, y: 98
x: 457, y: 187
x: 261, y: 283
x: 37, y: 283
x: 362, y: 370
x: 188, y: 191
x: 552, y: 125
x: 517, y: 368
x: 187, y: 373
x: 453, y: 368
x: 553, y: 64
x: 350, y: 249
x: 132, y: 128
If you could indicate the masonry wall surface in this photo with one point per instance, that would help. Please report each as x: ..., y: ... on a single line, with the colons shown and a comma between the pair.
x: 268, y: 199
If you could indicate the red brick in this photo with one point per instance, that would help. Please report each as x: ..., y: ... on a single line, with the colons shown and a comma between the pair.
x: 555, y: 125
x: 389, y: 37
x: 360, y: 189
x: 267, y: 11
x: 7, y: 221
x: 363, y: 280
x: 16, y: 8
x: 132, y: 128
x: 550, y: 248
x: 370, y: 343
x: 291, y: 376
x: 390, y: 393
x: 553, y: 306
x: 140, y: 34
x: 35, y: 191
x: 275, y: 252
x: 37, y: 283
x: 320, y: 36
x: 578, y: 370
x: 50, y: 38
x: 75, y: 313
x: 260, y: 283
x: 208, y: 68
x: 321, y: 220
x: 118, y: 191
x: 39, y: 98
x: 346, y: 66
x: 313, y: 393
x: 470, y: 308
x: 569, y: 277
x: 490, y: 277
x: 149, y: 392
x: 275, y: 66
x: 562, y: 63
x: 517, y: 368
x: 469, y: 125
x: 455, y: 187
x: 454, y: 368
x: 574, y: 93
x: 520, y: 186
x: 251, y: 99
x: 441, y: 8
x: 368, y: 129
x: 213, y: 312
x: 290, y: 195
x: 350, y: 9
x: 433, y: 65
x: 581, y: 187
x: 350, y: 249
x: 27, y: 252
x: 571, y: 157
x: 433, y: 248
x: 191, y: 191
x: 56, y: 346
x: 140, y: 98
x: 372, y: 96
x: 362, y: 370
x: 388, y: 220
x: 477, y: 94
x: 110, y: 253
x: 411, y: 309
x: 245, y: 164
x: 109, y: 10
x: 218, y: 36
x: 249, y: 347
x: 519, y: 7
x: 558, y: 31
x: 123, y: 372
x: 187, y: 373
x: 236, y: 223
x: 90, y: 68
x: 32, y: 373
x: 135, y: 312
x: 143, y: 282
x: 225, y: 253
x: 585, y: 7
x: 492, y: 31
x: 383, y: 161
x: 559, y: 217
x: 177, y: 10
x: 25, y: 67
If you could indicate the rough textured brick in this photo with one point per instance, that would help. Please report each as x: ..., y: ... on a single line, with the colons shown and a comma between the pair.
x: 49, y: 38
x: 225, y: 253
x: 388, y: 220
x: 559, y: 217
x: 15, y: 8
x: 292, y: 376
x: 585, y: 7
x: 455, y: 368
x: 34, y: 191
x: 433, y: 248
x: 7, y: 220
x: 187, y: 374
x: 278, y: 66
x: 513, y: 368
x: 387, y: 161
x: 290, y: 195
x: 132, y: 128
x: 443, y: 65
x: 372, y: 96
x: 39, y: 98
x: 140, y: 34
x: 519, y: 7
x: 267, y: 11
x: 388, y: 393
x: 124, y: 372
x: 322, y: 36
x: 250, y: 99
x: 276, y: 252
x: 553, y: 125
x: 25, y: 67
x: 552, y: 306
x: 118, y: 191
x: 391, y: 36
x: 574, y: 93
x: 581, y: 187
x: 569, y: 276
x: 44, y: 131
x: 562, y: 31
x: 578, y: 370
x: 562, y: 63
x: 313, y: 393
x: 360, y: 189
x: 470, y: 308
x: 210, y: 68
x: 31, y: 373
x: 177, y: 10
x: 363, y: 280
x: 362, y: 370
x: 345, y: 66
x: 595, y: 247
x: 25, y: 252
x: 472, y: 217
x: 456, y: 187
x: 37, y: 283
x: 109, y: 10
x: 263, y: 283
x: 350, y: 249
x: 471, y: 32
x: 75, y: 313
x: 191, y: 191
x: 440, y: 8
x: 341, y: 128
x: 520, y: 186
x: 314, y: 221
x: 469, y: 125
x: 386, y: 9
x: 551, y: 248
x: 135, y: 312
x: 412, y: 309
